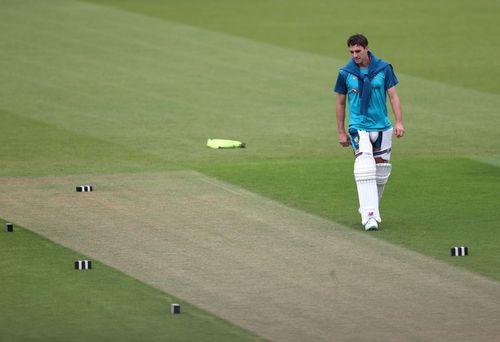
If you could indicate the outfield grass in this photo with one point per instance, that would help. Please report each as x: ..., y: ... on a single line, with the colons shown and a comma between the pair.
x: 91, y: 89
x: 436, y: 40
x: 44, y: 149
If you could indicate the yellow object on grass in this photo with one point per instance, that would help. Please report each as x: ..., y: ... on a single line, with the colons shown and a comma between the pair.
x: 223, y: 143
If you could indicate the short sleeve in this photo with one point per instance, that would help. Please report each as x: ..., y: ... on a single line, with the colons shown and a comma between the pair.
x: 390, y: 78
x: 341, y: 85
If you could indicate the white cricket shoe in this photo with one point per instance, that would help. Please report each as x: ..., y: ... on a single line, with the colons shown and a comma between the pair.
x: 371, y: 224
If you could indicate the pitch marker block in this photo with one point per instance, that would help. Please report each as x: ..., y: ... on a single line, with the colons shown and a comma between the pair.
x: 83, y: 265
x: 459, y: 251
x: 175, y: 309
x: 84, y: 188
x: 9, y: 227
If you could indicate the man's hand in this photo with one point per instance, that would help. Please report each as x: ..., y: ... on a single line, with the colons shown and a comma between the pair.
x: 399, y: 130
x: 344, y: 139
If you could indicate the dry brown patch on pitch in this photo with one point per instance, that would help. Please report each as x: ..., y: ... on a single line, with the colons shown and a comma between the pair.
x: 285, y: 274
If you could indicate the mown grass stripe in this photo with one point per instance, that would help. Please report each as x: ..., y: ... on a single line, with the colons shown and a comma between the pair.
x: 215, y: 94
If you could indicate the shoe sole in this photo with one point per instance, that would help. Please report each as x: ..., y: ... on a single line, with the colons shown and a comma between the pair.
x: 371, y: 228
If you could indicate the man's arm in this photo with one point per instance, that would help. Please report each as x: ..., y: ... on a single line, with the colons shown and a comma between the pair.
x: 399, y: 130
x: 340, y: 108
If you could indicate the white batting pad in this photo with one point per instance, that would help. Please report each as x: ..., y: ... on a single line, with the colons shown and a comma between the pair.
x: 365, y: 174
x: 383, y: 173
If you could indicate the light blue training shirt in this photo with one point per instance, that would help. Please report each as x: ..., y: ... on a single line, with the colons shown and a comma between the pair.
x: 377, y: 118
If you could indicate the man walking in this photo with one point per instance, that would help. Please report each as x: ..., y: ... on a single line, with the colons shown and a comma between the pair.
x: 366, y: 81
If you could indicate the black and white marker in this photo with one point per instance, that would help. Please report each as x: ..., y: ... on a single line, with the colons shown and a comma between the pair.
x: 175, y: 309
x: 83, y: 265
x: 84, y: 188
x: 459, y: 251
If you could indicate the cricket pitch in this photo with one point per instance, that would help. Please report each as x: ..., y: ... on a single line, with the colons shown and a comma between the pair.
x: 279, y: 272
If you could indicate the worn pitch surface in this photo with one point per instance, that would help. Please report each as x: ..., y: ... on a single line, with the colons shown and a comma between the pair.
x: 280, y: 272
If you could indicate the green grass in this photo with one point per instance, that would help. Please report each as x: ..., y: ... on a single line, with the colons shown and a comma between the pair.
x: 43, y: 149
x: 139, y: 86
x: 435, y: 40
x: 44, y: 298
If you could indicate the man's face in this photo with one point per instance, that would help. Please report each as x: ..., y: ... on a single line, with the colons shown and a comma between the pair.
x: 359, y: 54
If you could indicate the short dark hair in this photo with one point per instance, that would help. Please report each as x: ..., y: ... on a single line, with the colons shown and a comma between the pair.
x: 357, y: 39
